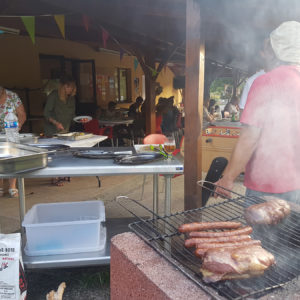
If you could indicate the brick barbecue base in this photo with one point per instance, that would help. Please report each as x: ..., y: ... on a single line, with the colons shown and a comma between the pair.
x: 138, y: 272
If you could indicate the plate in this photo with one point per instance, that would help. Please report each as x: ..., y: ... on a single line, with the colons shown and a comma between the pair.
x: 142, y: 148
x: 82, y: 119
x: 100, y: 154
x: 137, y: 159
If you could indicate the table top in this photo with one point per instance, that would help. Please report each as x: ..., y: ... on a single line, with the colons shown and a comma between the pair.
x: 112, y: 122
x: 88, y: 142
x: 64, y: 164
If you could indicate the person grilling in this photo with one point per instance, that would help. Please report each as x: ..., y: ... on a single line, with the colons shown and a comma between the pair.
x: 269, y: 144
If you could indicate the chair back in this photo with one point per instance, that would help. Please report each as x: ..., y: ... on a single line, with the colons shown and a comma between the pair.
x: 155, y: 138
x: 92, y: 126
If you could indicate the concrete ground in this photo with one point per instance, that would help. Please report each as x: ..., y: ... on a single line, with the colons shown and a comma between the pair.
x: 86, y: 188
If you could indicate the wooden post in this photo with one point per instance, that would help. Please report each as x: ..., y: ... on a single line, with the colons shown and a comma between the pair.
x: 150, y: 104
x: 194, y: 90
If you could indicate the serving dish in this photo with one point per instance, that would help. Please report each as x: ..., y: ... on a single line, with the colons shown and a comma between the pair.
x: 16, y: 158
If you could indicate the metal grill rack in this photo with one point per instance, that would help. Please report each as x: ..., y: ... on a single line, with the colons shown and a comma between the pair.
x: 282, y: 240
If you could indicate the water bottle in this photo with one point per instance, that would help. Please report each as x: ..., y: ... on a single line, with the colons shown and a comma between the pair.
x: 11, y: 126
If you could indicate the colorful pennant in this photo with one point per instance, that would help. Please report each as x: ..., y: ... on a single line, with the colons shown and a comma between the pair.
x: 29, y: 23
x: 86, y: 22
x: 105, y: 36
x: 60, y: 21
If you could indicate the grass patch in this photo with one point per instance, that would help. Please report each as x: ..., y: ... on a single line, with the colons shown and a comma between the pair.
x: 94, y: 280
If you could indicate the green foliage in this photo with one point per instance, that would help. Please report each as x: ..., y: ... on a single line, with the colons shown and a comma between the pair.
x: 217, y: 88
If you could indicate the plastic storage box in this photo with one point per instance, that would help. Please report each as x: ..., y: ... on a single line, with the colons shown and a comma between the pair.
x: 66, y: 227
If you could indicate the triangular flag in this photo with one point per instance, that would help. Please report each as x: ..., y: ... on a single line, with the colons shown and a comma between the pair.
x: 122, y: 52
x: 86, y: 22
x: 29, y: 23
x: 60, y: 21
x: 105, y: 36
x: 135, y: 63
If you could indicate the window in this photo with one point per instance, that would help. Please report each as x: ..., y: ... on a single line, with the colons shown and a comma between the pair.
x: 123, y: 85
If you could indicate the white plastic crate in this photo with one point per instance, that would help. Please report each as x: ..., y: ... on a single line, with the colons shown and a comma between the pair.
x: 66, y: 227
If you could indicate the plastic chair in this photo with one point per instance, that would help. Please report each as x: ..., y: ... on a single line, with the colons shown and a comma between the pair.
x: 93, y: 127
x: 155, y: 138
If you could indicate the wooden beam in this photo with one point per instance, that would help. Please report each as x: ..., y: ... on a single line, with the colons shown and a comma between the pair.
x: 194, y: 90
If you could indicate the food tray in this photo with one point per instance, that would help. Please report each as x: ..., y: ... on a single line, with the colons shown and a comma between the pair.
x: 16, y: 158
x: 74, y: 136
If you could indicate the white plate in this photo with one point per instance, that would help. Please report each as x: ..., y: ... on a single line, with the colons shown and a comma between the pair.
x: 79, y: 118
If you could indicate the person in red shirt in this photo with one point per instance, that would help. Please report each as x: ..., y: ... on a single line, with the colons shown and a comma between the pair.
x: 269, y: 145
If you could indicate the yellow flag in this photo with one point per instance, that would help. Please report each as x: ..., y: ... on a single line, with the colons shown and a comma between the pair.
x: 60, y: 21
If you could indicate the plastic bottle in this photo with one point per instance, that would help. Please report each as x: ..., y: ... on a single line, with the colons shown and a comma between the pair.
x: 11, y: 126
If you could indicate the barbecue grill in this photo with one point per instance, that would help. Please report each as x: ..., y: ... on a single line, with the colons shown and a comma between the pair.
x: 281, y: 240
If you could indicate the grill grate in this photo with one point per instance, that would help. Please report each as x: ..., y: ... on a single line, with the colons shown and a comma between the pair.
x: 281, y: 240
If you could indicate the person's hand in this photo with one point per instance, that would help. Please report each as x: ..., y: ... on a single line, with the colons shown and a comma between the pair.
x: 227, y: 184
x: 59, y: 126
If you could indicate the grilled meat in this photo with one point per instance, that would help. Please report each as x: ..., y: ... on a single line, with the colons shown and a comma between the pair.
x: 208, y: 225
x: 235, y: 263
x: 268, y: 213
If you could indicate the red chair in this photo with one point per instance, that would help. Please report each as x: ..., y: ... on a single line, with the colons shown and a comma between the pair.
x: 93, y: 127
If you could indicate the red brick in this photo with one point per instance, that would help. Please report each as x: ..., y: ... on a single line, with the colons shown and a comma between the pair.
x: 138, y: 272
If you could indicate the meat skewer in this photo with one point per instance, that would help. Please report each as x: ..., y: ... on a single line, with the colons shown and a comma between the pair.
x: 197, y: 241
x: 244, y: 230
x: 203, y: 248
x: 208, y: 225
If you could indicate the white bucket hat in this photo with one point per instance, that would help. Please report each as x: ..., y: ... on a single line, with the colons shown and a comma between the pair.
x: 285, y: 42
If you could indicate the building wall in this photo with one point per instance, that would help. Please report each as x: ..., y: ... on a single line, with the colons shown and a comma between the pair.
x: 20, y: 66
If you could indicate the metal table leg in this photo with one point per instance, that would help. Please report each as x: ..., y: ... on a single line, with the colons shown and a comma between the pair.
x: 168, y: 194
x: 155, y: 193
x: 21, y: 188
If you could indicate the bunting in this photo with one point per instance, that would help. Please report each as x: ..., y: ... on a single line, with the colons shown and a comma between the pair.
x: 29, y: 23
x: 60, y: 21
x: 105, y: 36
x: 86, y: 22
x: 135, y: 63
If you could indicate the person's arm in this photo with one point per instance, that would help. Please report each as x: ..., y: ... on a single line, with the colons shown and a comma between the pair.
x: 241, y: 154
x: 48, y: 112
x: 21, y: 114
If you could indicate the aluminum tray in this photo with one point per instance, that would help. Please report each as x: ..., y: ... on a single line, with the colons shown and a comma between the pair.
x: 16, y: 158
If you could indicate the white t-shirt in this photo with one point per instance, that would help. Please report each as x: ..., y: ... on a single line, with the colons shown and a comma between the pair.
x: 247, y: 87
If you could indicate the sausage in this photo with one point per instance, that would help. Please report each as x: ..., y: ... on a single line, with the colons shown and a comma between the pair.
x: 244, y: 230
x: 201, y: 250
x: 208, y: 225
x: 222, y: 239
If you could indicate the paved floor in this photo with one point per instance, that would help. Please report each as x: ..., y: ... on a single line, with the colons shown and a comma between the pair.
x: 86, y: 188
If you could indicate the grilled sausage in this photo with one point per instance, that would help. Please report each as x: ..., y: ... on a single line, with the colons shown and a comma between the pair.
x: 201, y: 249
x: 208, y: 225
x: 244, y: 230
x: 198, y: 241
